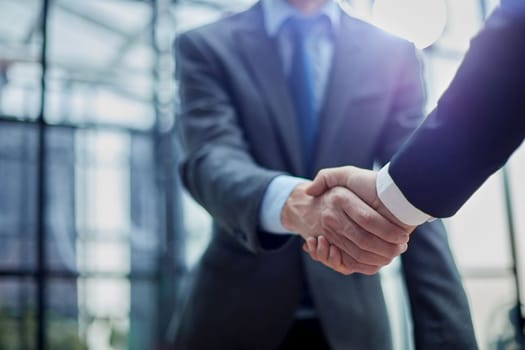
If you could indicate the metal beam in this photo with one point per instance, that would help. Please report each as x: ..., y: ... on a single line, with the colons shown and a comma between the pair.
x: 41, y: 268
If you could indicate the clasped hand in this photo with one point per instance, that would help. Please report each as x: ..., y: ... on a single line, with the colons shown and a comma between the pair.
x: 344, y: 223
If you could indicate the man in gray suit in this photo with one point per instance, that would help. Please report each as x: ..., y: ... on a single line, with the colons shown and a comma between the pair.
x: 268, y: 96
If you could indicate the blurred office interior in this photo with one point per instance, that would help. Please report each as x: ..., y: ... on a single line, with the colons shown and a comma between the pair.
x: 97, y: 237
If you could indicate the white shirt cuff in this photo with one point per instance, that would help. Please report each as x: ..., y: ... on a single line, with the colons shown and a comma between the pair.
x: 273, y: 202
x: 395, y: 201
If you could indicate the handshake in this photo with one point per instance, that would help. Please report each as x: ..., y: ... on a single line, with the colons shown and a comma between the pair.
x: 344, y: 223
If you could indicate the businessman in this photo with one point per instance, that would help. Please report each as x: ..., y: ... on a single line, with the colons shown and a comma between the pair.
x: 264, y: 94
x: 478, y: 123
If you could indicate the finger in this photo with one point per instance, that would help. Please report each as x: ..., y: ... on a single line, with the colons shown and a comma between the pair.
x: 362, y: 245
x: 369, y: 242
x: 323, y: 248
x: 362, y: 182
x: 334, y: 256
x: 326, y: 179
x: 368, y: 219
x: 346, y: 265
x: 354, y: 241
x: 333, y: 260
x: 312, y: 247
x: 353, y: 266
x: 336, y: 261
x: 361, y: 255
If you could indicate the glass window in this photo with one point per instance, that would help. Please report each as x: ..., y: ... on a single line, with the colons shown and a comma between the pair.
x: 20, y: 46
x: 106, y: 192
x: 17, y: 314
x: 101, y: 63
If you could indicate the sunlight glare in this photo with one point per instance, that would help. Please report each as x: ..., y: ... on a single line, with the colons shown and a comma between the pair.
x: 419, y: 21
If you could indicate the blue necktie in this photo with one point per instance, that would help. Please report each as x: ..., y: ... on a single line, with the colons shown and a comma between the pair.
x: 301, y: 83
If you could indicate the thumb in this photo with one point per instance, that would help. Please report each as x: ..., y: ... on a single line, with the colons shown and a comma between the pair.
x: 363, y: 184
x: 327, y: 179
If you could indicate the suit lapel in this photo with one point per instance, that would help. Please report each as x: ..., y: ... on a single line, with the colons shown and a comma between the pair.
x: 262, y: 58
x: 344, y: 82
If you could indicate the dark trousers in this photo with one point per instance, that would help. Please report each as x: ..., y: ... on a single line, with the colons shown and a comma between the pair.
x: 305, y: 334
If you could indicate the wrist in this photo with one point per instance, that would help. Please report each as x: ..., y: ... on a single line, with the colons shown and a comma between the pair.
x: 394, y: 202
x: 386, y: 213
x: 293, y: 207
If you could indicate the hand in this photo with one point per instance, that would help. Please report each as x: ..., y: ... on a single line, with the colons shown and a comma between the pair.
x: 360, y: 181
x: 363, y: 183
x: 328, y: 254
x: 368, y: 240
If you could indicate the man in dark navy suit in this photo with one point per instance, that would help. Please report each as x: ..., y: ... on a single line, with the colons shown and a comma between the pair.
x: 478, y: 123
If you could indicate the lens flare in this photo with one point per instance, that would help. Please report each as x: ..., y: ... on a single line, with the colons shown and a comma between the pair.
x: 419, y: 21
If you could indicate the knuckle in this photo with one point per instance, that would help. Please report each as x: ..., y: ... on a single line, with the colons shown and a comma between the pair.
x: 396, y: 250
x: 346, y: 272
x: 332, y: 222
x: 351, y: 266
x: 383, y: 261
x: 367, y: 271
x: 371, y: 270
x: 348, y: 227
x: 349, y: 272
x: 378, y: 260
x: 322, y: 175
x: 401, y: 235
x: 395, y: 236
x: 358, y: 255
x: 337, y: 197
x: 362, y: 241
x: 327, y: 217
x: 365, y: 217
x: 393, y: 254
x: 346, y: 244
x: 387, y: 261
x: 402, y: 248
x: 366, y: 243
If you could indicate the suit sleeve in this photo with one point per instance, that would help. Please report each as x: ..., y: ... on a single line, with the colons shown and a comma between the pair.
x: 217, y: 168
x: 478, y: 123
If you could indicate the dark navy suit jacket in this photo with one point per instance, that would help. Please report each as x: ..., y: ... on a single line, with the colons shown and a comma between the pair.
x: 478, y: 123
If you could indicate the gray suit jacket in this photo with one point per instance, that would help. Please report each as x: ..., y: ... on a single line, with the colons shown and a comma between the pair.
x: 239, y: 131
